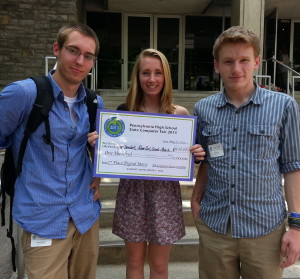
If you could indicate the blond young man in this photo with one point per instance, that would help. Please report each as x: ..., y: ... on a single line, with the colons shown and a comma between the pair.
x: 251, y: 138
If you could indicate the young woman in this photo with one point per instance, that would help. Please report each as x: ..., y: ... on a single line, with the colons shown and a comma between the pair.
x: 148, y: 213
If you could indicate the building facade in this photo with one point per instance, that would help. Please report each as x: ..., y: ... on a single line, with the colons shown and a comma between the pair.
x: 183, y: 30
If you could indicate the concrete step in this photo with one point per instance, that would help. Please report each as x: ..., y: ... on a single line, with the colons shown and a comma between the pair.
x: 177, y: 270
x: 112, y: 249
x: 185, y: 99
x: 192, y: 94
x: 109, y: 189
x: 109, y: 192
x: 108, y: 208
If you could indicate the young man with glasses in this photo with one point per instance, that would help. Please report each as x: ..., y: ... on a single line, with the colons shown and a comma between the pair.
x: 56, y: 201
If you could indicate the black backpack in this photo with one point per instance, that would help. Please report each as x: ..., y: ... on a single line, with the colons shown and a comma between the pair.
x: 39, y: 114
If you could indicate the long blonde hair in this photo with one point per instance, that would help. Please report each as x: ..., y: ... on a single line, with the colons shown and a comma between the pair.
x: 135, y: 96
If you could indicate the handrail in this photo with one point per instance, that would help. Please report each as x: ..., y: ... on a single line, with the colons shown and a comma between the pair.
x: 293, y: 84
x: 47, y: 58
x: 92, y: 74
x: 290, y: 71
x: 285, y: 66
x: 257, y: 77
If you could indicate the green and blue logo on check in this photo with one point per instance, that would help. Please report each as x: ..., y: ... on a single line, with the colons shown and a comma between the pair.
x: 114, y: 127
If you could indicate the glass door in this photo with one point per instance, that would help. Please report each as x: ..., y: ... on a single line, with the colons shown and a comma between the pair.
x: 148, y: 31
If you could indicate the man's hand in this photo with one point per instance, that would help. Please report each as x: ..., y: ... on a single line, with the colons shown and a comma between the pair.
x: 195, y: 206
x: 198, y: 152
x: 290, y: 247
x: 95, y: 185
x: 199, y: 189
x: 92, y: 138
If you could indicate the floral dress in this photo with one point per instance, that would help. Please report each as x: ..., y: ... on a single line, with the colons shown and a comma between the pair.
x: 149, y: 210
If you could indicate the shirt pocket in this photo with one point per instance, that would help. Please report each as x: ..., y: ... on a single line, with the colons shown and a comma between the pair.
x: 212, y: 134
x: 261, y: 141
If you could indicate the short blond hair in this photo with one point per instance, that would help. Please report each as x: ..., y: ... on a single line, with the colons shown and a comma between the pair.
x: 237, y: 34
x: 135, y: 96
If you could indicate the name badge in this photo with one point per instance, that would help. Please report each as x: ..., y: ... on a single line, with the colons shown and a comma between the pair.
x: 216, y: 150
x: 37, y: 241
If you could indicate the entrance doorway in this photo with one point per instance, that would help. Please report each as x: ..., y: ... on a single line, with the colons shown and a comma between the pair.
x: 186, y: 41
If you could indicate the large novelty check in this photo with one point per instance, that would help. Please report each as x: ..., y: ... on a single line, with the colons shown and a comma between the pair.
x: 144, y: 145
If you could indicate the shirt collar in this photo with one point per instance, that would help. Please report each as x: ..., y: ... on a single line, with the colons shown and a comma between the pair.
x: 256, y: 98
x: 57, y: 90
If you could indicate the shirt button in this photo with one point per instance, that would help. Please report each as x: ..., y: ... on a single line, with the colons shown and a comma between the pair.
x: 234, y: 148
x: 262, y: 131
x: 232, y: 185
x: 233, y: 166
x: 232, y: 203
x: 235, y: 129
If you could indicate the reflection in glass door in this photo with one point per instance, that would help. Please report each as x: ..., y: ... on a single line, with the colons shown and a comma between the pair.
x: 167, y: 40
x: 295, y: 51
x: 270, y: 47
x: 138, y: 38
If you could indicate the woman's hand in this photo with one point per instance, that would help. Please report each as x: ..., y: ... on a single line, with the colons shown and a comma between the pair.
x: 198, y: 152
x: 92, y: 138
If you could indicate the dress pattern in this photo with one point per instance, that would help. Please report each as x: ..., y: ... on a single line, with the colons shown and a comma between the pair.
x: 149, y: 210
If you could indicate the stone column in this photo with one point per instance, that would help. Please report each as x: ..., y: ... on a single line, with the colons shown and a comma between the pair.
x: 249, y: 13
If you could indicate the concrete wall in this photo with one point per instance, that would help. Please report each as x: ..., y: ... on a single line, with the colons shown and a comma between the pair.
x: 28, y: 29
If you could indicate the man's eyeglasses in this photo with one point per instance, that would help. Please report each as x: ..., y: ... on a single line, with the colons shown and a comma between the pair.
x: 76, y: 52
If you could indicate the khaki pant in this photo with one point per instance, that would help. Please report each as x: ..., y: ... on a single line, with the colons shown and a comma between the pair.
x: 224, y: 257
x: 72, y: 258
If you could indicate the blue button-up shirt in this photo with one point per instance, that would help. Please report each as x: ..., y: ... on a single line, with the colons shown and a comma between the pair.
x: 48, y: 193
x: 260, y: 141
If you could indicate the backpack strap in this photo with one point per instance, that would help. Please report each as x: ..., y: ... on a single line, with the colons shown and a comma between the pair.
x: 39, y: 113
x: 91, y: 103
x: 9, y: 234
x: 8, y: 178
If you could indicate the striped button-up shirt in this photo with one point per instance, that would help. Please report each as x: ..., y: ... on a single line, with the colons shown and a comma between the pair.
x: 48, y: 193
x: 248, y: 149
